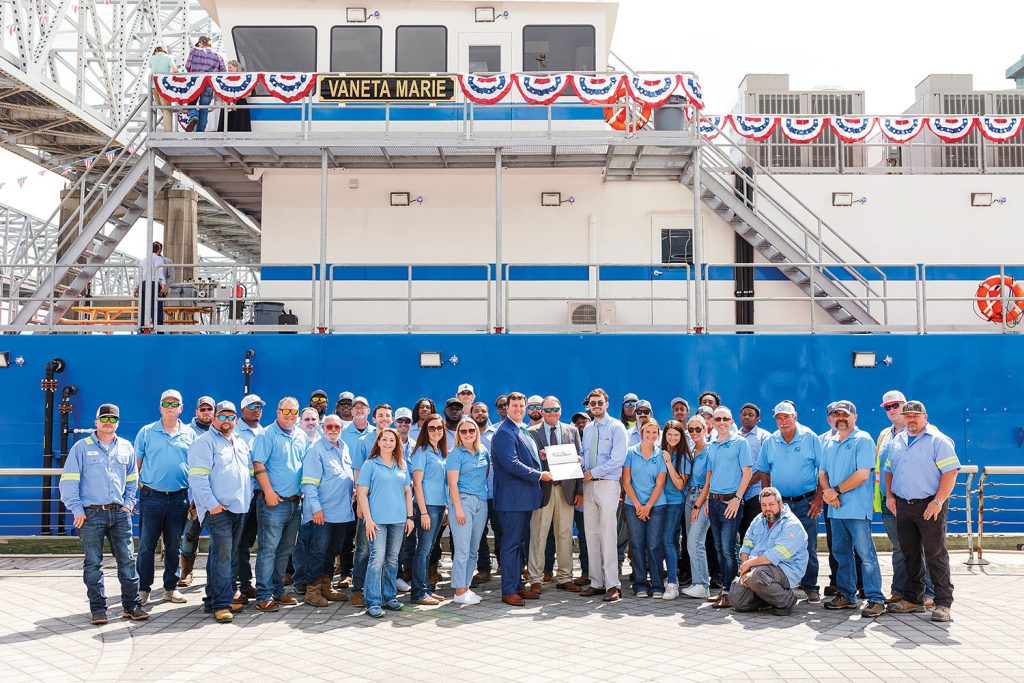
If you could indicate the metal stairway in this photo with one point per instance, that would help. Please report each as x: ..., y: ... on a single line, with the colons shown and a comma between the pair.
x: 771, y: 226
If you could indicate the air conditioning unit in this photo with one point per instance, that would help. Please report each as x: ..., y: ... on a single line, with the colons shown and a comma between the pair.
x: 585, y: 313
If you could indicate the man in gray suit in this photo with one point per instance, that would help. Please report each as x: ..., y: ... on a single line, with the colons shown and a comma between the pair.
x: 558, y: 501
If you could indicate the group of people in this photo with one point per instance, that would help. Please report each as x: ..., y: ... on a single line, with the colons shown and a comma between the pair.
x: 367, y: 496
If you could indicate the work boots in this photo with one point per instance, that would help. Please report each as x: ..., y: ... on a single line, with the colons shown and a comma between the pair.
x: 313, y: 597
x: 327, y: 591
x: 187, y: 563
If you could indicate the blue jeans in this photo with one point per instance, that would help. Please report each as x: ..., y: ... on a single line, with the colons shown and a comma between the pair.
x: 190, y: 537
x: 850, y: 536
x: 466, y: 538
x: 362, y: 554
x: 116, y: 527
x: 278, y: 529
x: 670, y: 540
x: 899, y: 566
x: 205, y: 98
x: 225, y: 530
x: 800, y: 509
x: 320, y: 544
x: 243, y: 569
x: 382, y: 565
x: 421, y: 559
x: 645, y: 540
x: 483, y: 562
x: 161, y: 515
x: 696, y: 535
x: 724, y: 532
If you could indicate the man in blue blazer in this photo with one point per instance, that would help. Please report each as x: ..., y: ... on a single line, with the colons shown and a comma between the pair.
x: 517, y: 477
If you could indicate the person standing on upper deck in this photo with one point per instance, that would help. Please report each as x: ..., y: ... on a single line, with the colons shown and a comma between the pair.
x: 161, y: 63
x: 203, y: 59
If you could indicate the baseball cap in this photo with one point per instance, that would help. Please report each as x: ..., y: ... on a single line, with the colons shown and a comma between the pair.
x: 535, y: 400
x: 679, y: 399
x: 913, y: 407
x: 893, y: 396
x: 171, y: 393
x: 403, y: 412
x: 361, y: 399
x: 581, y: 414
x: 830, y: 407
x: 346, y: 396
x: 784, y: 408
x: 252, y: 399
x: 465, y: 387
x: 643, y: 403
x: 453, y: 402
x: 844, y: 405
x: 705, y: 410
x: 319, y: 392
x: 226, y: 407
x: 108, y: 409
x: 205, y: 401
x: 629, y: 397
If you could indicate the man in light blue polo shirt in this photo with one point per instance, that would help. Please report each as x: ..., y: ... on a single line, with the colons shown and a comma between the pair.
x: 277, y: 463
x: 791, y: 459
x: 161, y: 448
x: 920, y: 472
x: 848, y: 489
x: 247, y: 428
x: 358, y: 409
x: 750, y: 416
x: 218, y: 474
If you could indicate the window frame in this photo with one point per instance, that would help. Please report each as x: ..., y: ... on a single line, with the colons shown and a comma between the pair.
x: 522, y: 52
x: 380, y: 53
x: 666, y: 233
x: 441, y: 26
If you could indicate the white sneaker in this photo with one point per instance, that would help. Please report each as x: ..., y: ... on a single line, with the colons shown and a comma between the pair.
x: 143, y: 597
x: 476, y: 598
x: 464, y: 599
x: 699, y: 592
x: 175, y: 596
x: 671, y: 592
x: 402, y: 586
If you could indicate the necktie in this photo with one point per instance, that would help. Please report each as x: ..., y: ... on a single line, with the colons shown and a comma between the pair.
x: 553, y: 441
x: 592, y: 455
x: 529, y: 444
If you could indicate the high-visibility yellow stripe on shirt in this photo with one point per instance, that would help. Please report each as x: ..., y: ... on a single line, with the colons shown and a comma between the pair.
x: 71, y: 476
x: 782, y: 551
x: 945, y: 462
x: 198, y: 471
x: 311, y: 480
x: 747, y: 543
x: 131, y: 477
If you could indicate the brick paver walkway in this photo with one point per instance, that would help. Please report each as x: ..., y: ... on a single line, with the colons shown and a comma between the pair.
x: 45, y: 635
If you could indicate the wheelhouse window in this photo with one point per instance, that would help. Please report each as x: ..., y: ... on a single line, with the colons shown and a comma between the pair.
x: 559, y: 48
x: 356, y: 49
x: 421, y: 49
x: 276, y: 48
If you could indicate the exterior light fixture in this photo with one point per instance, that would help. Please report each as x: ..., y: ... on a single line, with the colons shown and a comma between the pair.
x: 846, y: 199
x: 554, y: 199
x: 985, y: 199
x: 430, y: 359
x: 864, y: 359
x: 355, y: 15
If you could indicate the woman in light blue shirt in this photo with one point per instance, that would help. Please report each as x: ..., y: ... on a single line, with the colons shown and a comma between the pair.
x: 676, y: 451
x: 428, y: 477
x: 695, y: 520
x: 386, y: 506
x: 467, y: 467
x: 643, y: 480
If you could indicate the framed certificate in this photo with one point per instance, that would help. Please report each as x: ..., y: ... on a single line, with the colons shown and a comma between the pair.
x: 563, y: 462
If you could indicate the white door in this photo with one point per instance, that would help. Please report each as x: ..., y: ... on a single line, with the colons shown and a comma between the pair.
x: 671, y: 240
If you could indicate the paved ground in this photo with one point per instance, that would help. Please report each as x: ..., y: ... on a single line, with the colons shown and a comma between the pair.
x: 45, y: 635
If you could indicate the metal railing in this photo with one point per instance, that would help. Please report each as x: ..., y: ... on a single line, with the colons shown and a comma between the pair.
x: 1014, y: 493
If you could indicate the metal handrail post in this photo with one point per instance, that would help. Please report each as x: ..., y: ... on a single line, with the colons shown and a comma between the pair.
x: 490, y: 291
x: 698, y: 235
x: 981, y: 515
x: 924, y: 299
x: 321, y: 318
x: 1004, y: 296
x: 918, y: 294
x: 499, y: 274
x: 971, y: 471
x: 408, y: 299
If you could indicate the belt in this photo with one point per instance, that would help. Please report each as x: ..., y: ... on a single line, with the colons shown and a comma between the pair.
x: 166, y: 493
x: 108, y: 506
x: 799, y: 499
x: 290, y: 499
x: 724, y: 497
x: 917, y: 501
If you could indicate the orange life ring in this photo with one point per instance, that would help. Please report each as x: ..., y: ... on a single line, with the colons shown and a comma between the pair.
x: 990, y: 297
x: 616, y: 115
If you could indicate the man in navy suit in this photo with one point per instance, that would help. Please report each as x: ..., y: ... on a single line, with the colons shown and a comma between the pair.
x: 517, y: 477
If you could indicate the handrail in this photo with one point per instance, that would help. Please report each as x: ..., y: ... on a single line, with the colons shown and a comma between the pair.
x: 985, y: 472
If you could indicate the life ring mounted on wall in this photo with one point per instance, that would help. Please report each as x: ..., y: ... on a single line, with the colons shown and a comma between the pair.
x: 991, y: 295
x: 618, y: 116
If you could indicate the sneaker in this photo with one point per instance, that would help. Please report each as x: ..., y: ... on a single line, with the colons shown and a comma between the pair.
x: 696, y: 591
x: 143, y: 597
x: 393, y: 605
x: 136, y: 614
x: 428, y: 600
x: 464, y: 599
x: 99, y: 617
x: 402, y: 586
x: 476, y: 598
x: 840, y: 602
x: 375, y: 612
x: 224, y: 616
x: 940, y: 614
x: 812, y: 595
x: 671, y: 592
x: 873, y: 609
x: 904, y: 607
x: 641, y: 594
x: 175, y: 596
x: 657, y: 595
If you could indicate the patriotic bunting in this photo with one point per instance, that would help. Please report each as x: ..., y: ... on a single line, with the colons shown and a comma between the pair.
x: 180, y: 89
x: 951, y: 129
x: 901, y: 129
x: 852, y: 129
x: 288, y: 87
x: 1000, y: 129
x: 755, y: 128
x: 653, y: 91
x: 692, y: 89
x: 485, y: 89
x: 711, y: 126
x: 598, y: 89
x: 802, y: 131
x: 541, y: 90
x: 233, y: 87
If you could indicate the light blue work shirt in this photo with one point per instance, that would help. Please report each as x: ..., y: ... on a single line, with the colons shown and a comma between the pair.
x: 632, y: 437
x: 604, y: 448
x: 414, y: 432
x: 198, y: 427
x: 435, y: 482
x: 164, y: 456
x: 327, y: 482
x: 350, y: 435
x: 726, y: 460
x: 784, y: 544
x: 918, y: 467
x: 792, y: 466
x: 643, y: 474
x: 281, y: 454
x: 472, y: 469
x: 674, y: 496
x: 840, y: 460
x: 248, y: 435
x: 755, y: 438
x: 363, y: 447
x: 218, y: 473
x: 487, y: 435
x: 697, y: 469
x: 386, y: 491
x: 95, y: 474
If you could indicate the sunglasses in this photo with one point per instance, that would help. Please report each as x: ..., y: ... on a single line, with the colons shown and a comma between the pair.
x: 722, y: 419
x: 596, y: 404
x: 435, y: 428
x: 643, y: 412
x: 501, y: 406
x: 319, y: 400
x: 695, y: 430
x: 467, y: 431
x: 227, y: 418
x: 556, y: 409
x: 109, y: 419
x: 403, y: 421
x: 332, y: 428
x: 170, y: 404
x: 288, y: 411
x: 629, y: 404
x: 205, y: 409
x: 534, y: 408
x: 893, y: 406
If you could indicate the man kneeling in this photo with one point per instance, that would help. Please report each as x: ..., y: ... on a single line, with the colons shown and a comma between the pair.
x: 773, y: 557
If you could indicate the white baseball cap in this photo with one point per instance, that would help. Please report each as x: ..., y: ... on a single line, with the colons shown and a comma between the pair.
x: 171, y: 393
x: 784, y: 408
x: 892, y: 396
x: 465, y: 387
x: 403, y: 412
x: 252, y: 399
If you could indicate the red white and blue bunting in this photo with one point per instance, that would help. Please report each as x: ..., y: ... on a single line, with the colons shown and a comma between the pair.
x: 711, y: 126
x: 997, y: 129
x: 598, y: 89
x: 901, y: 129
x: 180, y: 89
x: 541, y: 90
x: 802, y: 131
x: 951, y: 129
x: 755, y: 128
x: 852, y: 129
x: 233, y: 87
x: 653, y: 91
x: 485, y: 89
x: 692, y: 89
x: 289, y: 87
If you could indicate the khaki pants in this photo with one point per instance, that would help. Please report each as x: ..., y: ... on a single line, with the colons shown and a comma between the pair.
x: 168, y: 114
x: 600, y: 516
x: 560, y: 513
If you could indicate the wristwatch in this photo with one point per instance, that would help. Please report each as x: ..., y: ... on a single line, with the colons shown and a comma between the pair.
x: 836, y: 489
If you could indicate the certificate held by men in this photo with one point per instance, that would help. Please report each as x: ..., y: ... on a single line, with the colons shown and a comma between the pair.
x: 564, y: 462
